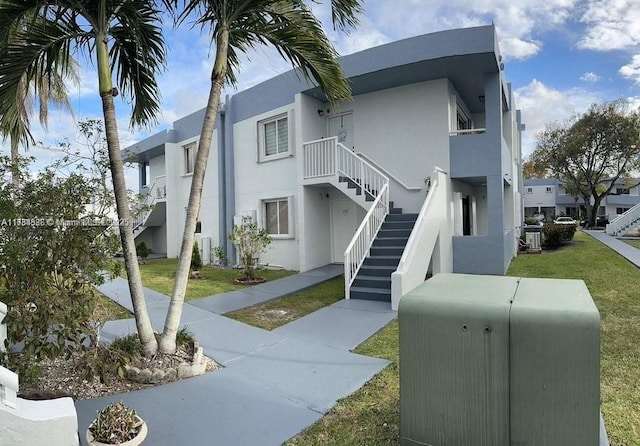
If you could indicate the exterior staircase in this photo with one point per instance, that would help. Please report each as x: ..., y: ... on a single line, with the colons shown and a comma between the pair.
x: 373, y: 280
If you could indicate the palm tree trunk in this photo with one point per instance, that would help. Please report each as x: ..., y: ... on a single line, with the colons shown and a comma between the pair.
x: 218, y: 75
x: 15, y: 163
x: 143, y: 323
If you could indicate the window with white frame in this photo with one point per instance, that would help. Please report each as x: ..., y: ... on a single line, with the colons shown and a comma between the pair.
x: 273, y: 136
x: 189, y: 157
x: 549, y: 190
x: 529, y: 190
x: 276, y: 216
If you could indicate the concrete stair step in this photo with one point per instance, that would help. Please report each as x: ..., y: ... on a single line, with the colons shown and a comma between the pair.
x: 401, y: 217
x: 372, y: 282
x: 390, y: 242
x: 382, y: 261
x: 386, y: 233
x: 387, y: 250
x: 365, y: 293
x: 401, y: 224
x: 377, y: 270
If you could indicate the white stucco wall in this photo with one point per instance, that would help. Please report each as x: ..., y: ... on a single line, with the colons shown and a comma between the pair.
x: 405, y: 130
x: 156, y: 168
x: 178, y: 187
x: 267, y: 180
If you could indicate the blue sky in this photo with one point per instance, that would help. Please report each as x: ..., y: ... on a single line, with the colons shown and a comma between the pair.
x: 560, y: 56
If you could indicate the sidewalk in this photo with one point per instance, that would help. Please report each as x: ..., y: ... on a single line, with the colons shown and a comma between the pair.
x: 627, y: 251
x: 273, y: 384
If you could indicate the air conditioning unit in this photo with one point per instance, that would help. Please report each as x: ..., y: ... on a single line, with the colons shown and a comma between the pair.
x: 533, y: 240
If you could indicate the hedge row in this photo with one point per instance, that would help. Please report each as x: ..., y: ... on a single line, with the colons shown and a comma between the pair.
x: 555, y: 235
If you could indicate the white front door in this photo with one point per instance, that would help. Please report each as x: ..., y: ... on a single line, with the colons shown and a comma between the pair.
x: 344, y: 223
x: 342, y: 127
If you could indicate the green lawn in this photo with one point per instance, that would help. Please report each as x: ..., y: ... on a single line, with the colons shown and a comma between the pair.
x: 634, y: 243
x: 278, y: 312
x: 158, y: 275
x: 370, y: 416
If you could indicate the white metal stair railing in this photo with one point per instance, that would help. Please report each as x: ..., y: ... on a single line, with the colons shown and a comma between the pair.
x: 624, y: 221
x: 157, y: 191
x: 327, y: 157
x: 360, y: 245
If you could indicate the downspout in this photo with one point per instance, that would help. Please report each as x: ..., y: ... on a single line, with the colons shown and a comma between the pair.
x: 229, y: 166
x: 222, y: 192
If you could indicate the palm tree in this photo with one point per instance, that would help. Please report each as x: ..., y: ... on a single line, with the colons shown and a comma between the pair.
x: 237, y: 26
x: 125, y: 39
x: 49, y: 88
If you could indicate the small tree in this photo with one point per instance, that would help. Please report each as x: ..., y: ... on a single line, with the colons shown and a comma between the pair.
x: 250, y: 241
x: 196, y: 260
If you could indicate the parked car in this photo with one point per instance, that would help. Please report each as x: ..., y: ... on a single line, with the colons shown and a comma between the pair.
x: 602, y: 220
x: 564, y: 221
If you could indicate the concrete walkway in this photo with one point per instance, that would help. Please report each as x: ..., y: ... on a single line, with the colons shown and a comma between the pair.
x: 273, y: 384
x: 627, y: 251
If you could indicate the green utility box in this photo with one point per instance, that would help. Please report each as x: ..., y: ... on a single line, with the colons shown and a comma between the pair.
x: 492, y: 361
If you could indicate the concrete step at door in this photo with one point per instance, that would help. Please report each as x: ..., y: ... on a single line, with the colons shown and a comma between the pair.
x: 376, y: 294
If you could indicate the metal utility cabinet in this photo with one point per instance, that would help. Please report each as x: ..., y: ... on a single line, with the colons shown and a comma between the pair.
x: 492, y: 361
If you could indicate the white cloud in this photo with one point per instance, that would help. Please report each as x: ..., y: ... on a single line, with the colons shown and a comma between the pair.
x: 365, y: 36
x: 519, y: 49
x: 632, y: 69
x: 542, y: 105
x: 611, y: 25
x: 590, y: 77
x: 518, y: 22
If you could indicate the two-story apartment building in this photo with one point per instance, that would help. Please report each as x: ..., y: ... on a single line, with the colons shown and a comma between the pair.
x: 429, y: 145
x: 549, y: 197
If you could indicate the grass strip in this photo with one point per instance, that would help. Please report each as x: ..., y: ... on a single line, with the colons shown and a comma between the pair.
x: 277, y: 312
x: 158, y: 274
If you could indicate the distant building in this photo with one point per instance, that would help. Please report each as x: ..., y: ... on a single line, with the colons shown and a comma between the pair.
x: 547, y: 196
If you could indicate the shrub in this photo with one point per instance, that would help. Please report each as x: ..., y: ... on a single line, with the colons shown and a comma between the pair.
x: 531, y: 221
x: 196, y: 260
x: 221, y: 257
x: 555, y: 235
x: 143, y: 250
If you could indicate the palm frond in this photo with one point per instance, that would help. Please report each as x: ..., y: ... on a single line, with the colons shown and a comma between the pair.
x: 298, y: 36
x: 34, y: 52
x: 344, y: 13
x: 137, y: 54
